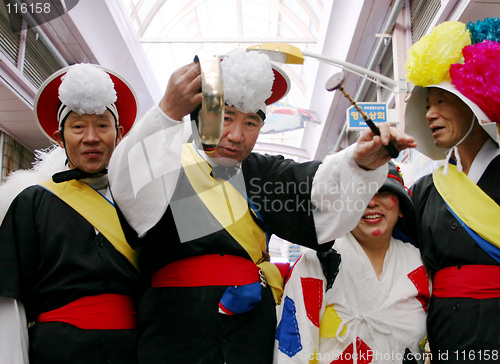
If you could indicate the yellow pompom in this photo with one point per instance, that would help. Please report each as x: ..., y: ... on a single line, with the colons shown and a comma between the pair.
x: 429, y: 59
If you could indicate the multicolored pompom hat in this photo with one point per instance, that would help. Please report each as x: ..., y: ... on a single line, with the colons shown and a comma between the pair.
x: 464, y: 60
x: 85, y: 89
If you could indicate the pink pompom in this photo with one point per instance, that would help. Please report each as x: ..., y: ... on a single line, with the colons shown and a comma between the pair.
x: 479, y: 77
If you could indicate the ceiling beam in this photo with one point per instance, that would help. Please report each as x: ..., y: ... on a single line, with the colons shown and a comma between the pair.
x: 229, y: 40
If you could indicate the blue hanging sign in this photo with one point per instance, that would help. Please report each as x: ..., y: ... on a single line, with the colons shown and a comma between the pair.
x: 375, y: 110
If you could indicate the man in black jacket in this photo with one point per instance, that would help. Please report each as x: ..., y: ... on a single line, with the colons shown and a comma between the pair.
x: 204, y: 217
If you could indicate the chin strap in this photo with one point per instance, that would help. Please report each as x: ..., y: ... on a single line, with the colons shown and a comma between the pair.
x: 454, y: 150
x: 75, y: 174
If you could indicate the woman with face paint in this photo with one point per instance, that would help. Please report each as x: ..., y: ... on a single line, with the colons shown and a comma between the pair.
x: 453, y: 113
x: 366, y: 298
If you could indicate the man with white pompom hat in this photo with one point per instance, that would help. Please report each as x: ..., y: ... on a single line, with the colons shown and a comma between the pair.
x: 65, y: 266
x: 205, y: 218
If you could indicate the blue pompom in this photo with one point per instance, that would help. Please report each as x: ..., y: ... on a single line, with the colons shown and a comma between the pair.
x: 481, y: 30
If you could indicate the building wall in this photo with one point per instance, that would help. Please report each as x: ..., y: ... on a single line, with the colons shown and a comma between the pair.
x: 13, y: 155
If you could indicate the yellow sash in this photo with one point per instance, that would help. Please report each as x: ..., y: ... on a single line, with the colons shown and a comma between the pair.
x: 96, y: 210
x: 474, y: 207
x: 233, y: 215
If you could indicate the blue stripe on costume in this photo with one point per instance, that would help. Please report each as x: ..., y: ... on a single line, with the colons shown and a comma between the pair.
x: 489, y: 248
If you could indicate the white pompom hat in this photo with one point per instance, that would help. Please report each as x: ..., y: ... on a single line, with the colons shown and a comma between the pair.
x: 251, y: 81
x: 84, y: 89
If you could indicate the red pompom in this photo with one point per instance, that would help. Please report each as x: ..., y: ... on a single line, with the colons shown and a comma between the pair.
x: 479, y: 77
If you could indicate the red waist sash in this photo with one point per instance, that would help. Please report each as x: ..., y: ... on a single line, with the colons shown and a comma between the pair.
x: 101, y: 312
x: 471, y: 281
x: 207, y: 270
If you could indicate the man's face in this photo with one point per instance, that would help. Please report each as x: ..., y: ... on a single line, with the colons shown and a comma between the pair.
x: 239, y: 134
x: 449, y: 118
x: 89, y: 140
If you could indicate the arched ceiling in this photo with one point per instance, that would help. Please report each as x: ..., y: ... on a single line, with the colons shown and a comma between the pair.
x: 172, y: 32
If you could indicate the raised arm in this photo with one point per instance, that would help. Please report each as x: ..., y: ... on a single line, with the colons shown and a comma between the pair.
x: 346, y: 181
x: 145, y: 165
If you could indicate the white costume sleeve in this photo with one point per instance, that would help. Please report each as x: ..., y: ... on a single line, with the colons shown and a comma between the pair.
x: 13, y: 332
x: 340, y: 193
x: 144, y: 168
x: 298, y: 333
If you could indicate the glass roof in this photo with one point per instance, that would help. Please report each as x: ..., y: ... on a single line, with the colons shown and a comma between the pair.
x: 173, y: 32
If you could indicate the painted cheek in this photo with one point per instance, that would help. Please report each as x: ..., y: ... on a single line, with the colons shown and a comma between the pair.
x: 394, y: 201
x: 377, y: 232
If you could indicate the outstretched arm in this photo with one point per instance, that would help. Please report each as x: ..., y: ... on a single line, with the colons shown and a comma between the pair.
x: 346, y: 181
x: 370, y: 152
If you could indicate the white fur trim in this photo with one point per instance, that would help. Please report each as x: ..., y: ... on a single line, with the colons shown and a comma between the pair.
x: 48, y: 162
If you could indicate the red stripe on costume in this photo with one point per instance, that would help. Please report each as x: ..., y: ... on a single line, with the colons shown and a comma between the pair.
x: 472, y: 281
x: 284, y: 269
x: 291, y: 269
x: 100, y: 312
x: 421, y: 281
x: 207, y: 270
x: 312, y: 289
